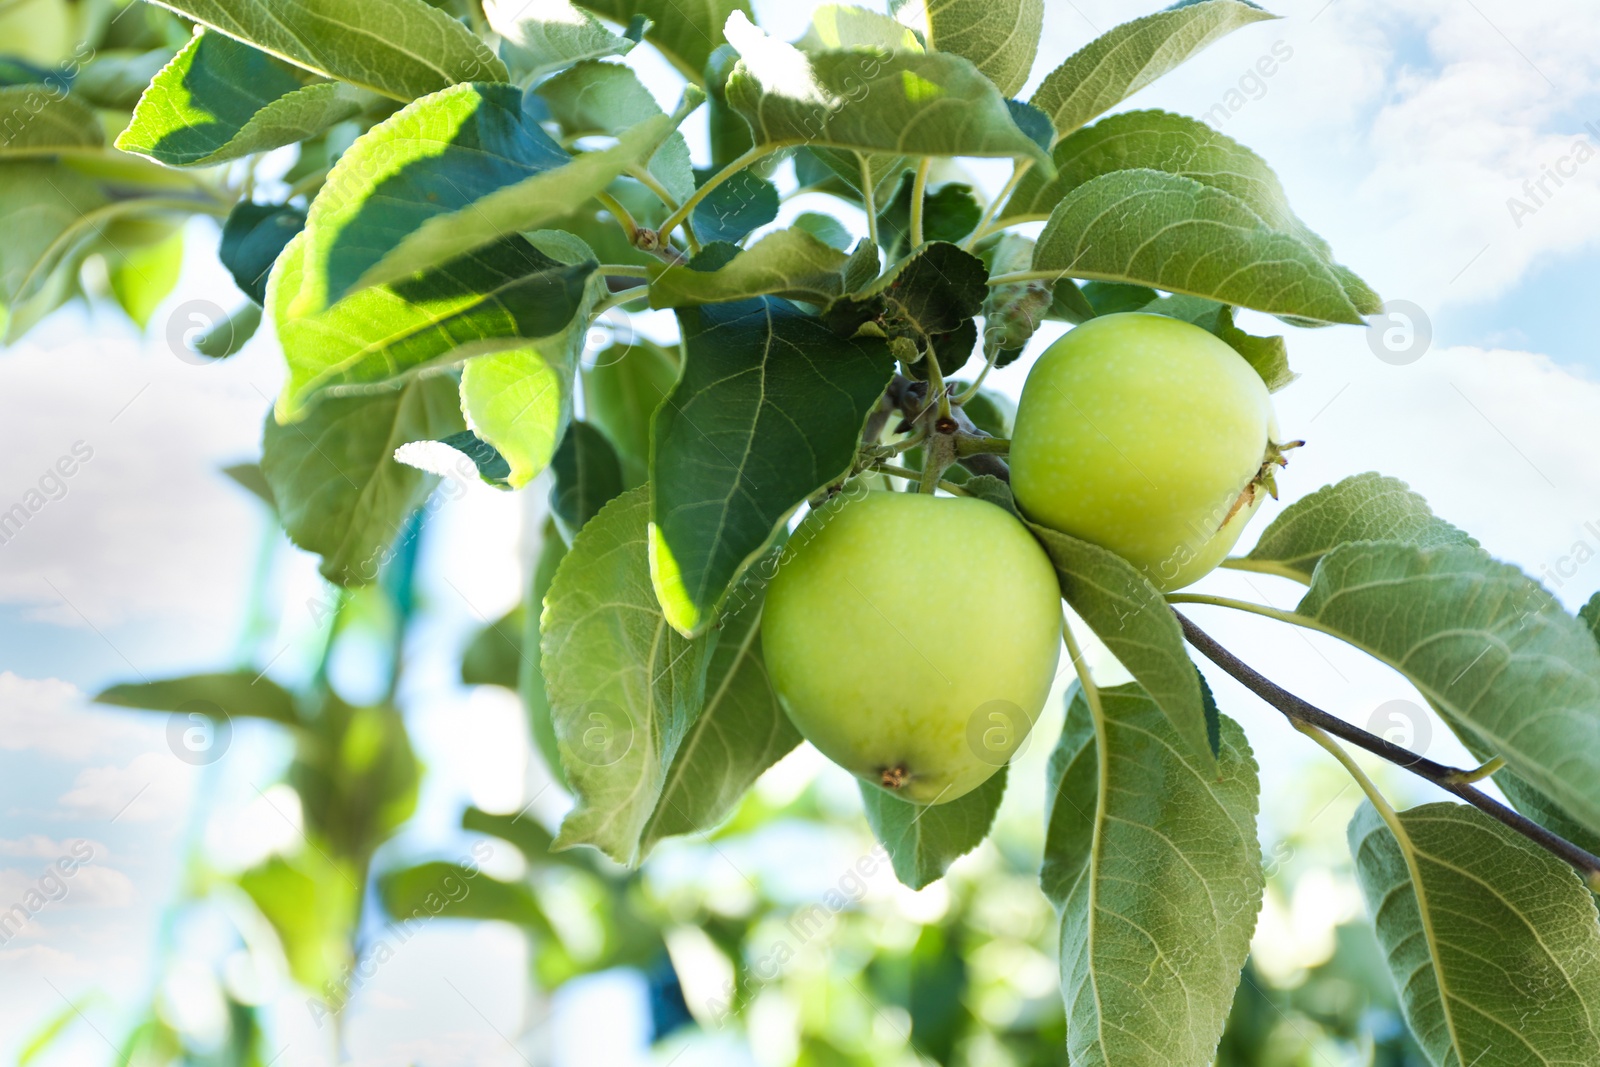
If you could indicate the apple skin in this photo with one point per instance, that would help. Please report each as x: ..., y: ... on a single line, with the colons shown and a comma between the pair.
x: 895, y: 625
x: 1139, y: 433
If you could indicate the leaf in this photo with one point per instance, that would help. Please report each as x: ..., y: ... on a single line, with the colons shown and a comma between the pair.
x: 486, y: 301
x: 445, y: 175
x: 143, y: 261
x: 1177, y: 234
x: 116, y: 77
x: 484, y: 457
x: 788, y: 263
x: 239, y: 693
x: 339, y: 491
x: 624, y: 686
x: 924, y: 297
x: 357, y: 777
x: 587, y: 477
x: 899, y: 103
x: 252, y: 240
x: 608, y: 98
x: 312, y: 903
x: 684, y: 31
x: 1127, y: 613
x: 1485, y: 644
x: 1001, y: 37
x: 1118, y: 64
x: 741, y: 732
x: 768, y: 410
x: 621, y: 391
x: 923, y: 840
x: 1269, y: 356
x: 949, y: 213
x: 48, y: 214
x: 37, y: 120
x: 400, y: 48
x: 520, y: 400
x: 1151, y: 859
x: 219, y: 99
x: 494, y: 655
x: 1362, y: 507
x: 454, y: 891
x: 835, y: 26
x: 1012, y: 312
x: 825, y: 228
x: 248, y: 476
x: 530, y: 681
x: 1491, y: 940
x: 729, y: 212
x: 1182, y: 146
x: 542, y: 36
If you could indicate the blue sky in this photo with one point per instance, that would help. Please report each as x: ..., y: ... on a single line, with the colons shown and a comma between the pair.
x: 1399, y: 134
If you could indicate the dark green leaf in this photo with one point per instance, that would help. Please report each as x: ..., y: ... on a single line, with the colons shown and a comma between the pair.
x: 356, y: 775
x: 1033, y: 122
x: 340, y: 492
x: 1151, y: 859
x: 253, y: 238
x: 924, y: 839
x: 491, y: 465
x: 494, y: 655
x: 769, y: 410
x: 730, y: 133
x: 587, y: 477
x: 734, y: 208
x: 949, y: 213
x: 926, y: 298
x: 240, y: 693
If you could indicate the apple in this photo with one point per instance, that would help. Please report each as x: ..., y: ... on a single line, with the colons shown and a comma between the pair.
x: 913, y: 639
x: 1146, y: 435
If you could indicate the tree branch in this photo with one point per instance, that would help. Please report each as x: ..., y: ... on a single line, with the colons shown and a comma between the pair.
x: 1451, y: 779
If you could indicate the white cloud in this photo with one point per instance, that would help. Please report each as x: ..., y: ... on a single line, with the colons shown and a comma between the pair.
x: 38, y: 846
x: 152, y: 786
x: 54, y: 717
x: 87, y: 886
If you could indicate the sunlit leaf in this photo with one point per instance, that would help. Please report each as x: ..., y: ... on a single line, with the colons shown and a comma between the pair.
x: 1001, y: 37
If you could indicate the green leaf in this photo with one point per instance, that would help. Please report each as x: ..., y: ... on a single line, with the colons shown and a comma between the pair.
x: 1269, y: 356
x: 1491, y: 940
x: 1151, y: 859
x: 494, y: 655
x: 492, y: 467
x: 1485, y: 644
x: 608, y: 98
x: 624, y: 686
x: 731, y: 210
x: 835, y: 26
x: 143, y: 260
x: 312, y: 903
x: 620, y: 393
x: 588, y: 476
x: 400, y: 48
x: 730, y: 134
x: 1174, y: 233
x: 923, y: 840
x: 825, y: 228
x: 454, y: 891
x: 1188, y: 148
x: 253, y: 238
x: 741, y: 732
x: 949, y: 213
x: 925, y: 298
x: 339, y: 491
x: 788, y: 263
x: 543, y: 36
x: 49, y: 215
x: 357, y: 777
x: 1118, y: 64
x: 769, y: 409
x: 684, y: 31
x: 1001, y: 37
x: 1127, y: 613
x: 1362, y: 507
x: 486, y: 301
x: 1012, y: 312
x: 530, y: 681
x: 248, y: 476
x: 219, y: 99
x: 239, y: 693
x: 116, y: 77
x: 899, y: 103
x: 39, y: 121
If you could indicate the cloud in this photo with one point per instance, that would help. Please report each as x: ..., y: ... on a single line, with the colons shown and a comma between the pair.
x: 88, y: 886
x: 37, y: 846
x: 54, y: 717
x: 153, y: 786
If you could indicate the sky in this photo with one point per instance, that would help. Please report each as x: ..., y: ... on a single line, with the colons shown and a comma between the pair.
x: 1449, y: 151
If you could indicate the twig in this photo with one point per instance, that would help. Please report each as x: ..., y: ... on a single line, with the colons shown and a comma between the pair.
x: 1451, y: 779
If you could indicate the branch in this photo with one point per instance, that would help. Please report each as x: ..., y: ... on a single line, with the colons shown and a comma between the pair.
x: 911, y: 398
x: 1451, y: 779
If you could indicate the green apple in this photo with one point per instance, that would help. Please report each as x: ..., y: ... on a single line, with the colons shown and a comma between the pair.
x: 1148, y: 436
x: 913, y: 638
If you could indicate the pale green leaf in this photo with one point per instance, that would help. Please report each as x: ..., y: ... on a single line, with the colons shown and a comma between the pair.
x: 740, y: 733
x: 143, y: 261
x: 1000, y: 37
x: 608, y: 98
x: 1127, y: 613
x: 338, y: 489
x: 542, y: 36
x: 835, y: 26
x: 1173, y: 233
x: 1362, y: 507
x: 788, y: 263
x: 1151, y: 858
x: 219, y: 99
x: 1119, y: 63
x: 624, y: 686
x: 923, y: 840
x: 685, y: 31
x: 49, y: 215
x: 530, y: 679
x: 1486, y: 644
x: 1493, y: 942
x: 486, y: 301
x: 400, y: 48
x: 769, y: 409
x: 37, y: 120
x: 311, y: 900
x: 898, y: 103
